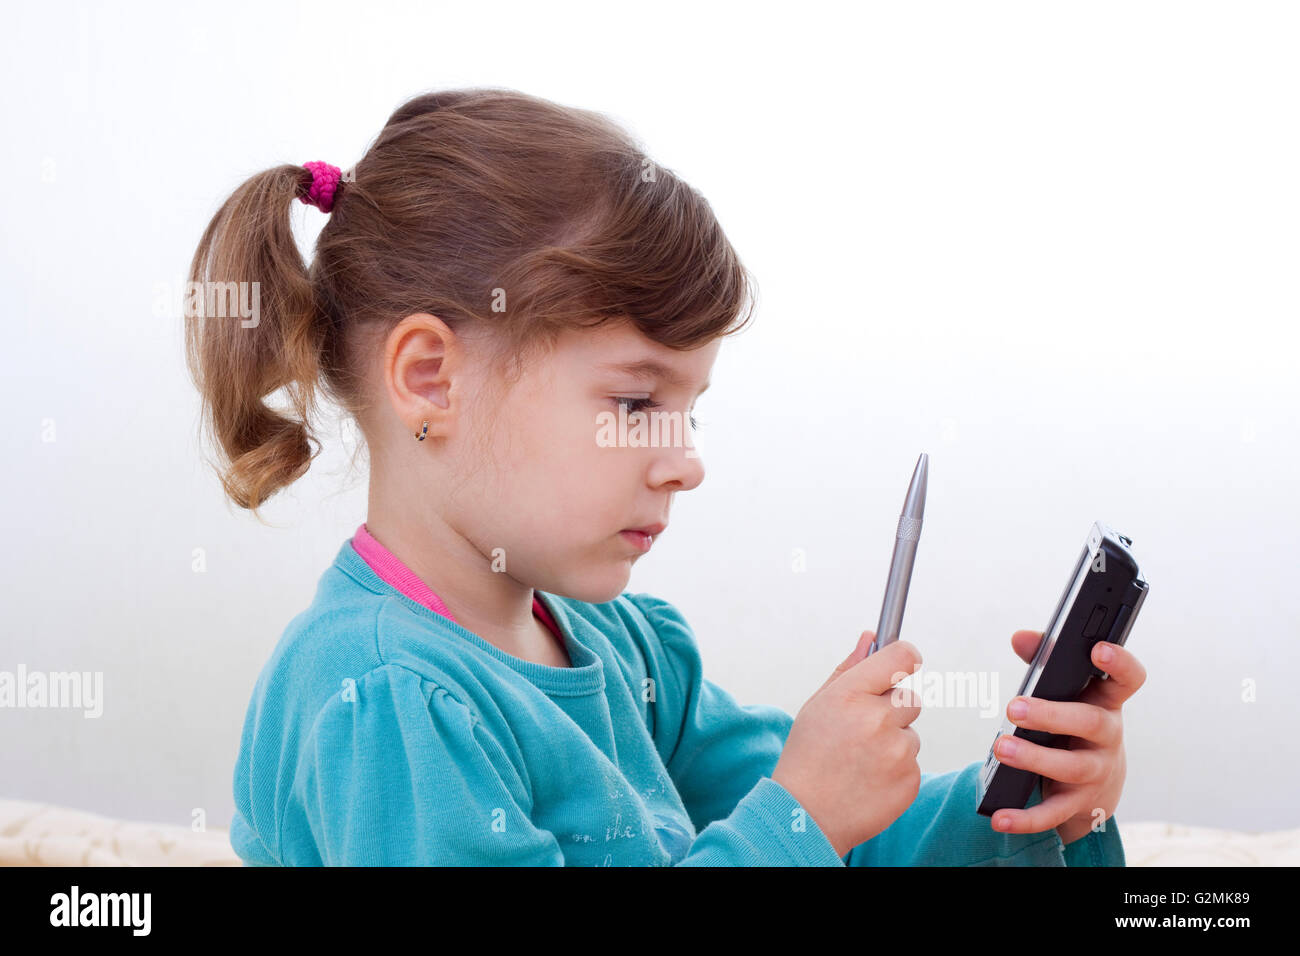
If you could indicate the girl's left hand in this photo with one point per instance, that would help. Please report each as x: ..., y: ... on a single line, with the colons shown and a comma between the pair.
x: 1082, y: 784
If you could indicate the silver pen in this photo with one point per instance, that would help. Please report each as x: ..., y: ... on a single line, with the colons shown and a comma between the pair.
x: 900, y: 568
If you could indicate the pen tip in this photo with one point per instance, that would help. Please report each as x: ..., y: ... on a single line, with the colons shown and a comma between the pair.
x: 914, y: 504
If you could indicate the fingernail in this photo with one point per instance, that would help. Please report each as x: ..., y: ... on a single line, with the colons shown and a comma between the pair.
x: 1007, y: 747
x: 1018, y: 708
x: 1001, y: 823
x: 1105, y: 652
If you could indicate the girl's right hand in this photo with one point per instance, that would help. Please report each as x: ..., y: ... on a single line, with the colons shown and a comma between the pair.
x: 850, y: 757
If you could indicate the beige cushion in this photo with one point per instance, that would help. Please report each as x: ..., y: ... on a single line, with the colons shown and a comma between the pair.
x: 1174, y: 844
x: 42, y: 834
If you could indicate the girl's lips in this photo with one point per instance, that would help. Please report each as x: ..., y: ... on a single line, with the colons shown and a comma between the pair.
x: 650, y: 529
x: 638, y: 539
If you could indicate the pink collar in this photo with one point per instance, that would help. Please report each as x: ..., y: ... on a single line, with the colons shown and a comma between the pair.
x: 391, y: 568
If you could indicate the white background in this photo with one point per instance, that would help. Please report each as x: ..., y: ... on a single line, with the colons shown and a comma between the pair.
x: 1052, y: 245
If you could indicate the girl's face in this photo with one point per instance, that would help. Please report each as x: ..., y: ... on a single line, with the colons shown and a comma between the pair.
x: 562, y: 480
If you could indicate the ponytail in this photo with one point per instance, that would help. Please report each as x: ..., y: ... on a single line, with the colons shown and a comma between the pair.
x: 239, y: 356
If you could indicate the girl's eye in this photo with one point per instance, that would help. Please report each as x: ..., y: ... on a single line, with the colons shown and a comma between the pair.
x: 641, y: 404
x: 636, y: 404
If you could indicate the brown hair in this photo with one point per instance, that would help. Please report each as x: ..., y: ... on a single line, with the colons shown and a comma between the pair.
x: 465, y: 196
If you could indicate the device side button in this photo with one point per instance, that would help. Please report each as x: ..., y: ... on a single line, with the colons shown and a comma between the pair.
x: 1118, y: 630
x: 1094, y: 621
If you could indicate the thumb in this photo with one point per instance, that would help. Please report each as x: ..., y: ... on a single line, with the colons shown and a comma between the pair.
x: 859, y: 653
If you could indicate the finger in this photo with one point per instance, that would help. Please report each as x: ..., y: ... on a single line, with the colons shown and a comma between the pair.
x: 859, y: 653
x: 1025, y: 644
x: 1047, y: 815
x: 1126, y: 675
x: 883, y: 669
x: 1064, y: 766
x: 905, y: 706
x: 1074, y: 718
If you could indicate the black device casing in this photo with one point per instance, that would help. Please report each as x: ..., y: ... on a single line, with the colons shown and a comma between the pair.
x: 1100, y: 602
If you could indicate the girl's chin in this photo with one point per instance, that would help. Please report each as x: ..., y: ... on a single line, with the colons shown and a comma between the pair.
x: 600, y: 588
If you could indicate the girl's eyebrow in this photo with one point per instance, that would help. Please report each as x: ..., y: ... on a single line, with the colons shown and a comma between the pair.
x: 649, y: 368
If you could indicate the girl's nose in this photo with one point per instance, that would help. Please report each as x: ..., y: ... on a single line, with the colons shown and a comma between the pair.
x: 681, y: 466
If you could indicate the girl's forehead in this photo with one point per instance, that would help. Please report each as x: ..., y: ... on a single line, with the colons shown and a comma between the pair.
x: 621, y: 347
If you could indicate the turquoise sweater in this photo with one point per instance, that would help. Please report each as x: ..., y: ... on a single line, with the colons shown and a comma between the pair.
x: 381, y: 732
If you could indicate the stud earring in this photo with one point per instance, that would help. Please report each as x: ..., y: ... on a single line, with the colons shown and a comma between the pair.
x: 423, y: 431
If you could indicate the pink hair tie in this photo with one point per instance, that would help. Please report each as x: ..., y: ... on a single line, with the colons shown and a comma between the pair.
x: 324, y: 184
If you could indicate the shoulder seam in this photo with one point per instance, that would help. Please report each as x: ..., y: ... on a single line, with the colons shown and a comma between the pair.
x: 439, y: 680
x: 423, y: 678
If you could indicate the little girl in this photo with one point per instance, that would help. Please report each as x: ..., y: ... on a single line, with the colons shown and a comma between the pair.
x: 504, y: 285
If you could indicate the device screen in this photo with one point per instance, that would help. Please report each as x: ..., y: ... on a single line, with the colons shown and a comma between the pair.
x: 1054, y: 628
x: 1044, y: 651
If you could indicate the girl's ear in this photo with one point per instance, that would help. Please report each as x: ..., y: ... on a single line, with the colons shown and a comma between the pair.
x: 423, y: 363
